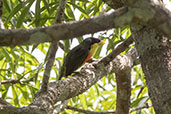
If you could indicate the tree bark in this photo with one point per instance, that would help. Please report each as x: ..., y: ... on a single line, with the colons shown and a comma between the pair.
x: 123, y: 79
x: 155, y: 55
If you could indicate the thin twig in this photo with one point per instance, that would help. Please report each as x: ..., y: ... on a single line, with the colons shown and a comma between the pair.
x: 102, y: 87
x: 60, y: 13
x: 106, y: 112
x: 142, y: 88
x: 89, y: 111
x: 15, y: 81
x: 22, y: 79
x: 12, y: 81
x: 61, y: 45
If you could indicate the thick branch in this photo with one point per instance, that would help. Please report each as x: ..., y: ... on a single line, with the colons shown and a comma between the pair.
x: 146, y: 12
x: 123, y: 80
x: 60, y: 31
x: 139, y: 11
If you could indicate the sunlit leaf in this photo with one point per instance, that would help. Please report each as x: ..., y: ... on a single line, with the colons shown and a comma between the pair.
x: 13, y: 12
x: 80, y: 9
x: 139, y: 101
x: 24, y: 12
x: 15, y: 96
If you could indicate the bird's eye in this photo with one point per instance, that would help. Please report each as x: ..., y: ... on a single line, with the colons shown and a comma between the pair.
x: 89, y: 48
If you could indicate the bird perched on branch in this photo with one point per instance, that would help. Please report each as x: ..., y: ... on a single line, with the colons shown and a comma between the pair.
x: 79, y: 55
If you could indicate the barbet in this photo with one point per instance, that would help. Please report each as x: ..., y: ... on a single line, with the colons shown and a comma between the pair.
x: 79, y: 55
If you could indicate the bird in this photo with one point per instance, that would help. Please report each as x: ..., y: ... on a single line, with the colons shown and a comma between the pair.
x: 79, y: 55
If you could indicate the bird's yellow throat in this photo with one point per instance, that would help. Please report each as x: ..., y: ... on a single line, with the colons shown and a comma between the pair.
x: 94, y: 48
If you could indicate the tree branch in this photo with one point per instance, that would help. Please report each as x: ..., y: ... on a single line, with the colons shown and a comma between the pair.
x: 139, y: 11
x: 105, y: 112
x: 61, y: 45
x: 59, y: 31
x: 53, y: 48
x: 123, y: 81
x: 60, y: 13
x: 89, y: 111
x: 14, y: 81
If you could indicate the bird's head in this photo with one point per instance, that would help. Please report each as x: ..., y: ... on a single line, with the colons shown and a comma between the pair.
x: 93, y: 42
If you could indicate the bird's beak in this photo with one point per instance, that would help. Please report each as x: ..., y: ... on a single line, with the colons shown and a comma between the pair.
x: 102, y: 43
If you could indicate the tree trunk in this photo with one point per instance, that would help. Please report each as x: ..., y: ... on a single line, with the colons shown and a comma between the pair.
x: 155, y: 54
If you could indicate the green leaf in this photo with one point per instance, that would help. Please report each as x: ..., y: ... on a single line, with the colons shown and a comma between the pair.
x: 12, y: 51
x: 24, y: 12
x: 80, y: 39
x: 7, y: 4
x: 13, y: 12
x: 15, y: 96
x: 67, y: 45
x: 34, y: 47
x: 97, y: 54
x: 37, y: 72
x: 5, y: 53
x: 80, y: 9
x: 37, y: 12
x: 4, y: 93
x: 32, y: 89
x: 29, y: 57
x: 46, y: 5
x: 69, y: 13
x: 24, y: 92
x: 1, y: 56
x: 138, y: 102
x: 83, y: 101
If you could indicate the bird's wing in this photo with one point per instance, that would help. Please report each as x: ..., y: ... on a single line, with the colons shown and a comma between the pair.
x: 75, y: 59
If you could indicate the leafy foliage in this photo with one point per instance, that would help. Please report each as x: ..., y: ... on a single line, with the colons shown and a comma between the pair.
x: 26, y: 63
